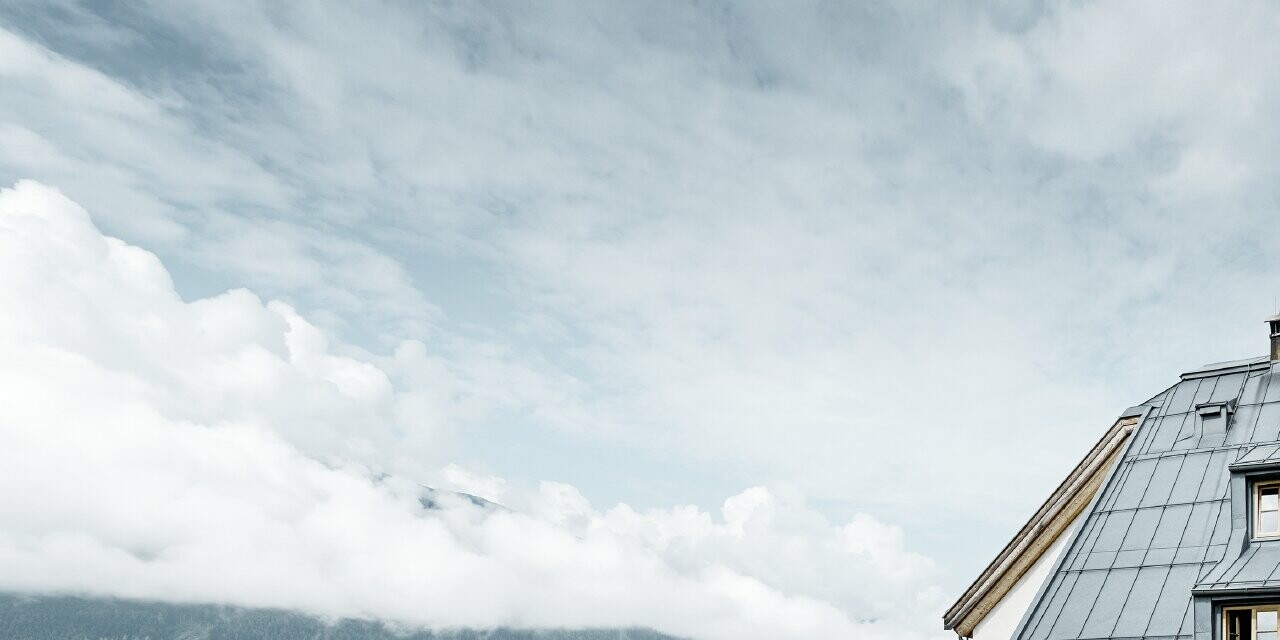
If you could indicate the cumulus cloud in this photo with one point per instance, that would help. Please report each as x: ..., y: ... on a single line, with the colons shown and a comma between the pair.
x: 686, y: 240
x: 227, y: 450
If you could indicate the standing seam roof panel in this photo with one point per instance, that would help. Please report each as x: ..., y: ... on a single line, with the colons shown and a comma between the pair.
x: 1163, y: 519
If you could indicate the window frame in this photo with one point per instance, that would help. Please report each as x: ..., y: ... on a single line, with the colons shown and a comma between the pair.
x: 1255, y: 510
x: 1253, y: 619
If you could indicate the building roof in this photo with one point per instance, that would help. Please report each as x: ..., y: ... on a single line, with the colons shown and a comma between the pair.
x: 1162, y: 528
x: 1053, y: 517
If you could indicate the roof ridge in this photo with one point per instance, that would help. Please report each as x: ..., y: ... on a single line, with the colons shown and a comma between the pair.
x: 1227, y: 366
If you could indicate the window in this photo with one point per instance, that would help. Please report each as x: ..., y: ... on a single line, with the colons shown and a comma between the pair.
x: 1251, y: 623
x: 1266, y: 510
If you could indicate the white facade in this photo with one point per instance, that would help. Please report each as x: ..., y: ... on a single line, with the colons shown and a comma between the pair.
x: 1003, y: 620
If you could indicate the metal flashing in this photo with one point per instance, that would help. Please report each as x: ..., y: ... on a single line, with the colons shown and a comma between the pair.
x: 1231, y: 366
x: 1216, y: 408
x: 1134, y: 411
x: 1255, y: 467
x: 1072, y: 497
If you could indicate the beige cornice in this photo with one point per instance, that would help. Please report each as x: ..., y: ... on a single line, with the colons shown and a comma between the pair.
x: 1054, y: 516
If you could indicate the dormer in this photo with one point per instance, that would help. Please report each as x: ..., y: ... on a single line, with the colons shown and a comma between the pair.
x: 1215, y: 417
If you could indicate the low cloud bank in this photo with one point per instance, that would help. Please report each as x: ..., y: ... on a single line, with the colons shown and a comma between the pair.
x: 226, y: 450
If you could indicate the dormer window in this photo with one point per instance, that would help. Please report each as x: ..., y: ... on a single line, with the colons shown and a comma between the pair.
x: 1251, y: 623
x: 1266, y: 509
x: 1215, y: 416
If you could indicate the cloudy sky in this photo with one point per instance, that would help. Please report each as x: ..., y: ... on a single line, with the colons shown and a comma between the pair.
x: 791, y: 311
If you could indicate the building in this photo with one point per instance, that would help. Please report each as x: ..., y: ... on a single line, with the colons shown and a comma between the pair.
x: 1168, y: 528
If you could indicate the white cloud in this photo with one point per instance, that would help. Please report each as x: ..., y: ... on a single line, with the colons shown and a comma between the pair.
x: 159, y: 177
x: 458, y: 478
x: 862, y: 249
x: 224, y: 450
x: 1092, y: 79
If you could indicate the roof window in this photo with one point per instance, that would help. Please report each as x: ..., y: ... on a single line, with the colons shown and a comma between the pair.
x: 1251, y: 623
x: 1266, y: 509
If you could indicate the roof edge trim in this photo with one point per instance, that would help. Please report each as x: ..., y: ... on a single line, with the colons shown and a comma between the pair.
x: 1216, y: 369
x: 1053, y: 517
x: 1254, y: 466
x: 1253, y: 589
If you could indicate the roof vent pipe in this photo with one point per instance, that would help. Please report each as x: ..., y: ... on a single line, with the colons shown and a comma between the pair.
x: 1274, y: 324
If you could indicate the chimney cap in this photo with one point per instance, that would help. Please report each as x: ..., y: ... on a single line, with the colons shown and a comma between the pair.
x: 1275, y: 318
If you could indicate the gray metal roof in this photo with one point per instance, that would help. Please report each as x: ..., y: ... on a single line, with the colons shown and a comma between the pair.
x: 1162, y: 525
x: 1219, y: 368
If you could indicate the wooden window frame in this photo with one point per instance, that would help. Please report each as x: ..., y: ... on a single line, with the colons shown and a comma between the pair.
x: 1253, y: 618
x: 1255, y: 510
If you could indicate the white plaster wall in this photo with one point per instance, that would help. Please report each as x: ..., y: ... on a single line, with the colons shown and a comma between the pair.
x: 1004, y: 618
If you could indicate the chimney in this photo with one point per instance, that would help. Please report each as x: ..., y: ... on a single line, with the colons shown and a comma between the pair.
x: 1274, y: 324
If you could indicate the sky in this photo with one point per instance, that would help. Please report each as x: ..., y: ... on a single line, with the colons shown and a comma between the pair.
x: 794, y: 311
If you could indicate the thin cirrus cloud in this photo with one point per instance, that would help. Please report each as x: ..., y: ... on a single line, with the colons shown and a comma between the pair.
x: 865, y: 251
